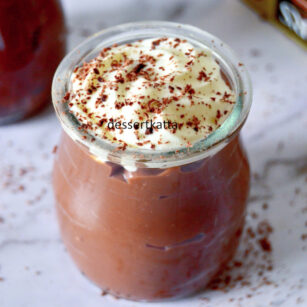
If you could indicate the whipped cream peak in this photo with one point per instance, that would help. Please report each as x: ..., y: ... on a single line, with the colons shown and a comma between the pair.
x: 158, y: 94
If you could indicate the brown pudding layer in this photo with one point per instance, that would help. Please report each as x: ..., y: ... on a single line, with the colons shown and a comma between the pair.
x: 153, y: 233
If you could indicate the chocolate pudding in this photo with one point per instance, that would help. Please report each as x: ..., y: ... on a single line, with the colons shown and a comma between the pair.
x: 156, y: 210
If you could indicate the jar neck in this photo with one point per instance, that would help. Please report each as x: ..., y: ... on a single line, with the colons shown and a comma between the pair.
x: 132, y: 158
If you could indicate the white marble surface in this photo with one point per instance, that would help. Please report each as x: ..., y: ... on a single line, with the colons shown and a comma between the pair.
x: 35, y: 269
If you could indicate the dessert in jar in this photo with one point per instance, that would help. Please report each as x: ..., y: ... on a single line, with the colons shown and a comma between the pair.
x: 32, y: 43
x: 150, y: 176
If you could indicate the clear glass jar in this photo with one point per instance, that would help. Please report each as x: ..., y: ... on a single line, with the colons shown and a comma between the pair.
x: 32, y: 43
x: 143, y: 224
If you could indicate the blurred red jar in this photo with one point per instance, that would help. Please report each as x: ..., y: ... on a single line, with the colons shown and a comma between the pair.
x: 32, y: 43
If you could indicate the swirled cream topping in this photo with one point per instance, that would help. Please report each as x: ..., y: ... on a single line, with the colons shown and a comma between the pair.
x: 157, y: 93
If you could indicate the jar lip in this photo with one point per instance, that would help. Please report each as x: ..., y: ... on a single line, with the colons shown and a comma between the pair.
x: 132, y: 158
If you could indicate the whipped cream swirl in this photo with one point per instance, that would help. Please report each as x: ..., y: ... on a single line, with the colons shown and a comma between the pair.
x: 158, y: 94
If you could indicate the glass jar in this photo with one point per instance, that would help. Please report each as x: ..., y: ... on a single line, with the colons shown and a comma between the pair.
x: 32, y: 43
x: 149, y: 224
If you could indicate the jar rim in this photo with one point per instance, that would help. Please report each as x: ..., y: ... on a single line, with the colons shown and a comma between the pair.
x: 133, y: 158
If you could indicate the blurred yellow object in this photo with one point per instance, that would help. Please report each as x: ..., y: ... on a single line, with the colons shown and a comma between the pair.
x: 288, y: 15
